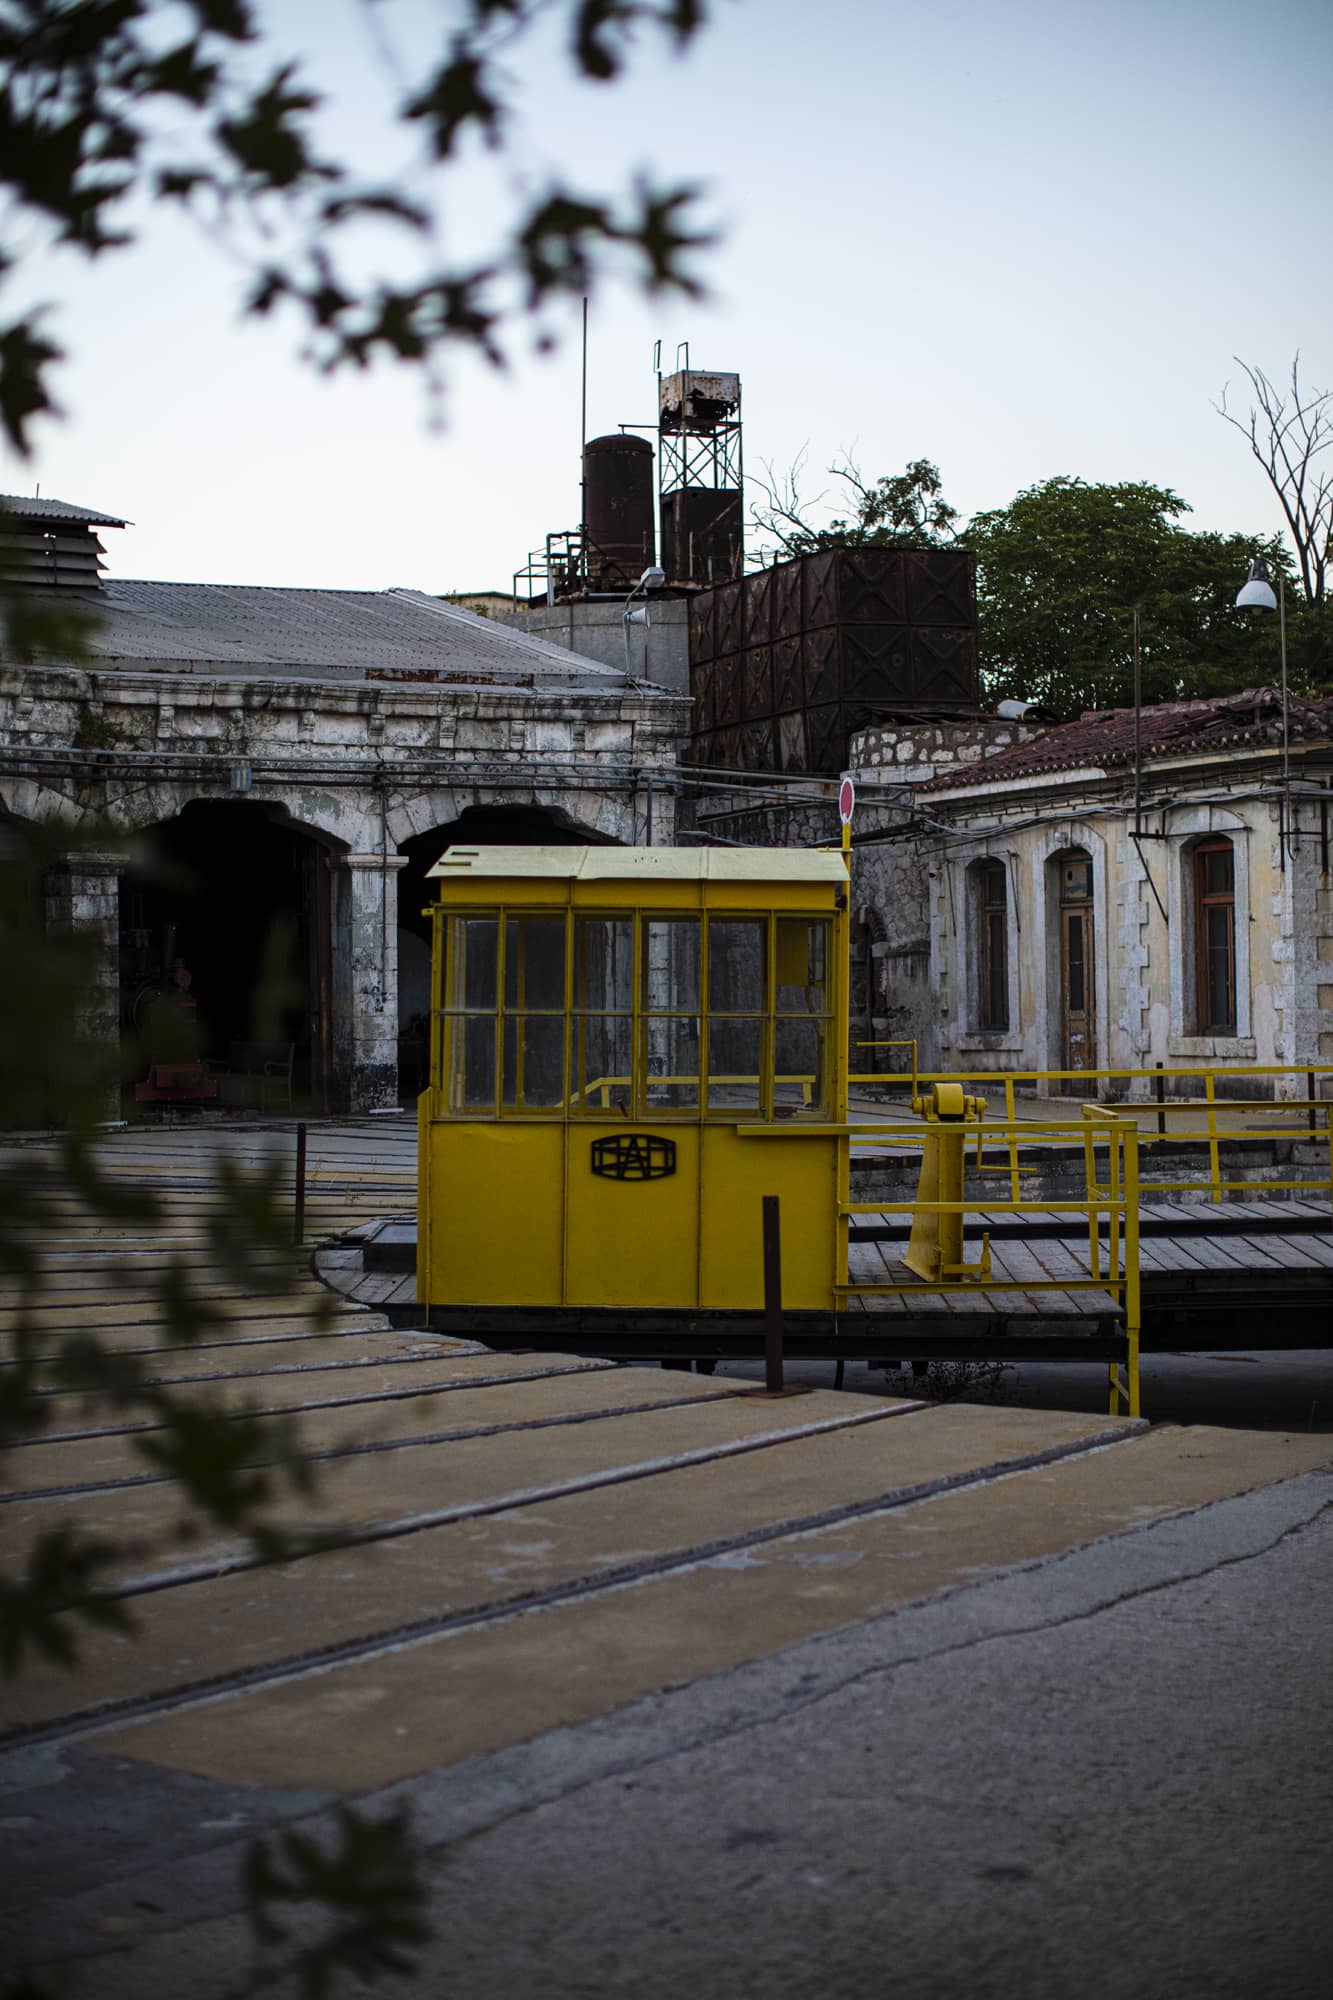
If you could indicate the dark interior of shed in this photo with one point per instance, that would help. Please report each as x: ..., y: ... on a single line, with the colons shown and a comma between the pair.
x: 225, y: 953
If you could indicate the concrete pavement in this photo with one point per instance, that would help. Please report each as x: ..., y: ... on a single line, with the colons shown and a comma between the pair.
x: 686, y: 1686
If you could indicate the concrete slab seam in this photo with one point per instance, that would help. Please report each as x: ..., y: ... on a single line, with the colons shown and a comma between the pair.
x: 113, y: 1714
x: 470, y: 1799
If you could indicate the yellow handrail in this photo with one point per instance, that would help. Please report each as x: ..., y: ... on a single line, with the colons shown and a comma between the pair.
x: 1209, y: 1076
x: 1117, y: 1198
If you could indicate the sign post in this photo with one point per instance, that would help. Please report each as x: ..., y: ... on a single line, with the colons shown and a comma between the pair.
x: 846, y: 807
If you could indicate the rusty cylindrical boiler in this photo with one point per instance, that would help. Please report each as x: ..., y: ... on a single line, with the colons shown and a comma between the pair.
x: 618, y: 472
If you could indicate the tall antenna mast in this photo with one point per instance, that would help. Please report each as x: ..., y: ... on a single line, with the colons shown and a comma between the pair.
x: 583, y: 453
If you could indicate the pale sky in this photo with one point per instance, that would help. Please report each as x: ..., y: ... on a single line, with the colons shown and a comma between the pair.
x: 1019, y: 241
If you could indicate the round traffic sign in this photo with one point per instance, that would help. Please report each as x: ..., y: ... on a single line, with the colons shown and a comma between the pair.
x: 846, y: 801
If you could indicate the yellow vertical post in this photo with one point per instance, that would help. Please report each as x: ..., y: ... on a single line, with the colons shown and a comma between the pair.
x: 1113, y: 1221
x: 1133, y: 1318
x: 1214, y: 1151
x: 935, y: 1246
x: 1092, y: 1191
x: 1013, y: 1139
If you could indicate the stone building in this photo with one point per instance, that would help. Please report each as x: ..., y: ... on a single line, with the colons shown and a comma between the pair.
x: 1043, y: 908
x: 253, y: 783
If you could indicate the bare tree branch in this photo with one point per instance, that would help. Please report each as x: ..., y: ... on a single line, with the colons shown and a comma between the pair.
x: 905, y: 510
x: 1288, y: 434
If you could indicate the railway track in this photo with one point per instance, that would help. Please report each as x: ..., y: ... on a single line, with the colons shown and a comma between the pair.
x: 486, y: 1525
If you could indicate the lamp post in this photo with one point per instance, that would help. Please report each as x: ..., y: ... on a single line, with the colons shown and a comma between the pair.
x: 652, y: 579
x: 1256, y: 594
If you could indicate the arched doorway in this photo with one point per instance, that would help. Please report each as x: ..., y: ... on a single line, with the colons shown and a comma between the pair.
x: 477, y: 826
x: 226, y: 949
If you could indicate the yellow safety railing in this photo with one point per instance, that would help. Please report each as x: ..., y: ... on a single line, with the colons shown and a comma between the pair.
x: 1112, y: 1264
x: 890, y: 1075
x: 1162, y: 1109
x: 602, y: 1086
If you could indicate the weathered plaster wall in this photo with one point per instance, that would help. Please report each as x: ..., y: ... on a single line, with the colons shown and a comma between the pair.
x: 361, y: 769
x: 1144, y: 927
x: 658, y: 651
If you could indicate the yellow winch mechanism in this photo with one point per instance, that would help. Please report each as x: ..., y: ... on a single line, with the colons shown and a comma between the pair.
x: 935, y: 1247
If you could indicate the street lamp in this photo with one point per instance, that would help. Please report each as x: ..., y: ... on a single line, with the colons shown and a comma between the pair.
x: 1256, y: 594
x: 652, y: 579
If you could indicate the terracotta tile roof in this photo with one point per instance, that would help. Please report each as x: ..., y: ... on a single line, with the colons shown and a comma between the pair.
x: 1103, y: 739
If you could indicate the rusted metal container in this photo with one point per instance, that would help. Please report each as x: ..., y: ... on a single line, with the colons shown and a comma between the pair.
x: 698, y: 399
x: 618, y: 472
x: 793, y: 659
x: 702, y: 538
x: 730, y: 626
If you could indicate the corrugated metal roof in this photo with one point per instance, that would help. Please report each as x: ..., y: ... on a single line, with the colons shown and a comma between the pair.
x: 1103, y: 740
x: 389, y: 636
x: 678, y: 864
x: 33, y: 509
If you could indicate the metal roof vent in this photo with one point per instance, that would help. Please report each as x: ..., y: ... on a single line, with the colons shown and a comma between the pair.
x: 50, y: 545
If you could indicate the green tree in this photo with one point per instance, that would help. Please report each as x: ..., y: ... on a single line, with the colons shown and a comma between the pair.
x: 905, y: 510
x: 1060, y: 572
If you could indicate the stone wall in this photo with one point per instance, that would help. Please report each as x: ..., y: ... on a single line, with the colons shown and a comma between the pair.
x: 658, y: 651
x: 1144, y: 926
x: 360, y: 770
x: 910, y: 753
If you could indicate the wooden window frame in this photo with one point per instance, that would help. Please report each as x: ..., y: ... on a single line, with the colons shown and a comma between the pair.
x: 988, y: 908
x: 1205, y: 901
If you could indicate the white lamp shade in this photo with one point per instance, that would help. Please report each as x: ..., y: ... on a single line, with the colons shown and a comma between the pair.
x: 1256, y: 593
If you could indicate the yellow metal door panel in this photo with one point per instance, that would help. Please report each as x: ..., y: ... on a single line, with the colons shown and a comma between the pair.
x: 632, y: 1242
x: 496, y: 1219
x: 736, y: 1175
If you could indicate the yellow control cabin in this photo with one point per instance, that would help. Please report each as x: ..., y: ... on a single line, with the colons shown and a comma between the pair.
x: 630, y: 1048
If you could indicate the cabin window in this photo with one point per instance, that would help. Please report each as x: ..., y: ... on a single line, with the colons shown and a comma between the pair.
x: 472, y: 1006
x: 533, y: 1041
x: 646, y: 1016
x: 737, y: 1012
x: 672, y: 1007
x: 1215, y: 937
x: 603, y: 1020
x: 802, y: 1014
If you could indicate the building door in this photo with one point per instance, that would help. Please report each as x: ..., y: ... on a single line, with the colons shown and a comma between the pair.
x: 1078, y: 1049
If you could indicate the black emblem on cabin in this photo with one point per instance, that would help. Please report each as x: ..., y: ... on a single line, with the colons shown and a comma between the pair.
x: 634, y: 1156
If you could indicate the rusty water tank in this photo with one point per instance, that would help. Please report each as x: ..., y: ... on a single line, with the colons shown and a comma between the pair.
x: 619, y: 475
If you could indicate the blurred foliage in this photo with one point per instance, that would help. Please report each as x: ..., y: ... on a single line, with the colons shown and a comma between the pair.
x: 109, y: 106
x: 231, y: 1468
x: 367, y: 1885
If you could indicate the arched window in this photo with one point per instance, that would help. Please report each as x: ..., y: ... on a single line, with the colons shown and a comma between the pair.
x: 992, y: 908
x: 1214, y: 937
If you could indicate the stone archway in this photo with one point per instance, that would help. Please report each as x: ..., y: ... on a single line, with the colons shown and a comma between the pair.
x: 227, y: 944
x: 480, y: 826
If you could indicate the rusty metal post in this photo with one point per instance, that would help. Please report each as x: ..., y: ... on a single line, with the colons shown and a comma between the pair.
x: 298, y: 1214
x: 1160, y: 1087
x: 772, y: 1295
